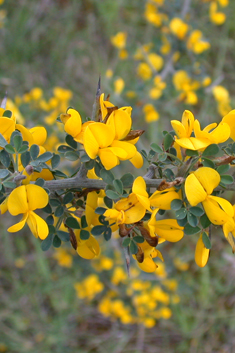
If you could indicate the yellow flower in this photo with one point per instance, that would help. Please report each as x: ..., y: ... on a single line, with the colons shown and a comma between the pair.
x: 196, y: 43
x: 215, y: 16
x: 144, y: 71
x: 163, y: 199
x: 119, y: 40
x: 25, y: 199
x: 148, y: 265
x: 150, y: 113
x: 201, y: 253
x: 178, y: 27
x: 88, y: 249
x: 156, y: 61
x: 230, y: 120
x: 119, y: 85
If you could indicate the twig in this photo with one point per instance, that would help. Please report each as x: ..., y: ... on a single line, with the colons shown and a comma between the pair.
x: 185, y: 8
x: 96, y: 105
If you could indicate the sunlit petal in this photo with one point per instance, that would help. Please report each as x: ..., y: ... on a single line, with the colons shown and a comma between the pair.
x: 17, y: 201
x: 37, y: 225
x: 37, y: 197
x: 18, y: 226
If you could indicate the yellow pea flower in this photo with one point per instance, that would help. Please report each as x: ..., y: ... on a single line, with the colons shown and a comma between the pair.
x: 230, y: 120
x: 163, y: 199
x: 178, y: 27
x: 201, y: 253
x: 148, y: 265
x: 25, y: 199
x: 88, y: 249
x: 119, y: 40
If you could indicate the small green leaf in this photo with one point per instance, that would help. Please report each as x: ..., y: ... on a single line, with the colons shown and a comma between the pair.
x: 223, y: 168
x: 47, y: 209
x: 208, y: 163
x: 83, y: 222
x: 126, y: 242
x: 10, y: 149
x: 59, y: 174
x: 9, y: 184
x: 25, y: 158
x: 182, y: 222
x: 162, y: 157
x: 107, y: 176
x: 55, y: 161
x: 64, y: 149
x: 5, y: 158
x: 176, y: 204
x: 71, y: 222
x: 17, y: 141
x: 71, y: 142
x: 59, y: 211
x: 71, y: 156
x: 3, y: 141
x: 196, y: 211
x: 192, y: 220
x: 55, y: 202
x: 138, y: 239
x: 118, y: 186
x: 4, y: 173
x: 68, y: 198
x: 156, y: 148
x: 46, y: 243
x: 23, y: 149
x: 90, y: 164
x: 98, y: 168
x: 85, y: 158
x: 181, y: 214
x: 40, y: 182
x: 205, y: 222
x: 206, y: 240
x: 64, y: 236
x: 168, y: 140
x: 127, y: 180
x: 7, y: 113
x: 108, y: 202
x: 56, y: 242
x: 84, y: 234
x: 226, y: 179
x: 112, y: 194
x: 34, y: 151
x: 100, y: 210
x: 211, y: 150
x: 133, y: 248
x: 50, y: 220
x: 98, y: 230
x: 108, y: 234
x: 189, y: 230
x: 45, y: 157
x: 191, y: 153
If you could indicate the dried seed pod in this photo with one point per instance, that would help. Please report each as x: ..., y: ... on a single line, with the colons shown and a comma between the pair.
x: 139, y: 255
x: 153, y: 241
x: 73, y: 239
x: 123, y: 231
x: 133, y: 134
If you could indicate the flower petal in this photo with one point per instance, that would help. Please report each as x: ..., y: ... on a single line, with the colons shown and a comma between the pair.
x: 169, y: 230
x: 37, y: 225
x: 18, y: 226
x: 73, y: 125
x: 17, y: 201
x: 121, y: 122
x: 201, y: 253
x: 137, y: 160
x: 37, y: 197
x: 194, y: 191
x: 208, y: 177
x: 163, y: 199
x: 39, y: 134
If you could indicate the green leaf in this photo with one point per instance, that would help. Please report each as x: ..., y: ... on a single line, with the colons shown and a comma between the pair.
x: 46, y: 243
x: 98, y: 168
x: 68, y: 198
x: 156, y: 148
x: 196, y: 211
x: 55, y: 161
x: 118, y: 186
x: 85, y: 158
x: 59, y: 174
x: 138, y: 239
x: 162, y: 157
x: 181, y: 214
x: 108, y: 234
x: 4, y: 173
x: 3, y: 141
x: 107, y: 176
x: 64, y: 236
x: 191, y: 153
x: 206, y: 240
x: 189, y: 230
x: 192, y: 220
x: 208, y: 163
x: 108, y: 202
x: 112, y: 194
x: 100, y: 210
x: 182, y: 222
x: 176, y: 204
x: 90, y: 164
x: 40, y: 182
x: 10, y: 149
x: 17, y: 141
x: 84, y: 234
x: 34, y: 151
x: 23, y: 149
x: 47, y: 209
x: 126, y: 242
x: 5, y: 158
x: 226, y: 179
x: 64, y: 149
x: 45, y: 157
x: 71, y: 142
x: 71, y: 155
x: 127, y: 180
x: 211, y: 150
x: 168, y: 140
x: 7, y: 113
x: 55, y: 202
x: 9, y: 184
x: 205, y: 222
x: 83, y: 222
x: 59, y: 211
x: 25, y: 158
x: 71, y: 222
x: 50, y: 220
x: 223, y: 168
x: 56, y: 242
x: 133, y: 248
x: 98, y: 230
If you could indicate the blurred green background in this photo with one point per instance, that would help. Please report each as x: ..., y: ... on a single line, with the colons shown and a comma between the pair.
x: 66, y: 43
